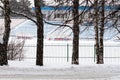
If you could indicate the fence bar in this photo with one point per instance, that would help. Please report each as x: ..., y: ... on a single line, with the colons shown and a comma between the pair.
x: 67, y: 52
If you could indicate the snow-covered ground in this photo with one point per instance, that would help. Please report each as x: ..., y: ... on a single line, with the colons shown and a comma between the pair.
x: 27, y: 70
x: 60, y: 69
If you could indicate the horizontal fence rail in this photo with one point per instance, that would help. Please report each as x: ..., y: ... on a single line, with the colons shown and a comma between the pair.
x: 63, y: 53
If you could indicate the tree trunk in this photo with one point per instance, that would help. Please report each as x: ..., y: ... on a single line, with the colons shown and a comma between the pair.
x: 3, y: 46
x: 96, y: 16
x: 3, y: 55
x: 75, y: 53
x: 40, y: 32
x: 101, y: 47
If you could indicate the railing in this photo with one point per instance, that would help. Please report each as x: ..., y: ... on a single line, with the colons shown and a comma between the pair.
x: 63, y: 53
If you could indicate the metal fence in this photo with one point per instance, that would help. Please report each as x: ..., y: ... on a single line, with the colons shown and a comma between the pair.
x: 63, y: 53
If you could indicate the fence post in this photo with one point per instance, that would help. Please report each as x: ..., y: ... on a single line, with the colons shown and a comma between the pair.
x: 67, y: 52
x: 94, y: 52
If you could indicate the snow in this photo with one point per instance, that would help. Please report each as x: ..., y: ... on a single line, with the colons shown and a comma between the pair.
x: 60, y: 68
x: 52, y: 32
x: 56, y: 69
x: 58, y: 51
x: 14, y: 23
x: 61, y: 51
x: 19, y: 70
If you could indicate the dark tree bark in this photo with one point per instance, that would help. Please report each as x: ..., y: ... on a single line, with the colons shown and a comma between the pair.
x: 99, y: 30
x: 101, y: 46
x: 40, y: 32
x: 75, y: 53
x: 96, y: 28
x: 3, y: 46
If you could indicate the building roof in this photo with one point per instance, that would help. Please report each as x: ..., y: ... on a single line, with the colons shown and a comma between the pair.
x: 70, y: 8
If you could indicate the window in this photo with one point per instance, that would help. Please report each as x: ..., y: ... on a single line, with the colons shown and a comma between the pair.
x: 113, y: 15
x: 60, y: 15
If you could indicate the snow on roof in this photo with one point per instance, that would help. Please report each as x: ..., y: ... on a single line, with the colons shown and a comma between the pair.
x: 84, y: 33
x: 29, y: 28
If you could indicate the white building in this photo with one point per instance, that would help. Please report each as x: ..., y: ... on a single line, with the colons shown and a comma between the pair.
x: 60, y: 10
x: 51, y: 12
